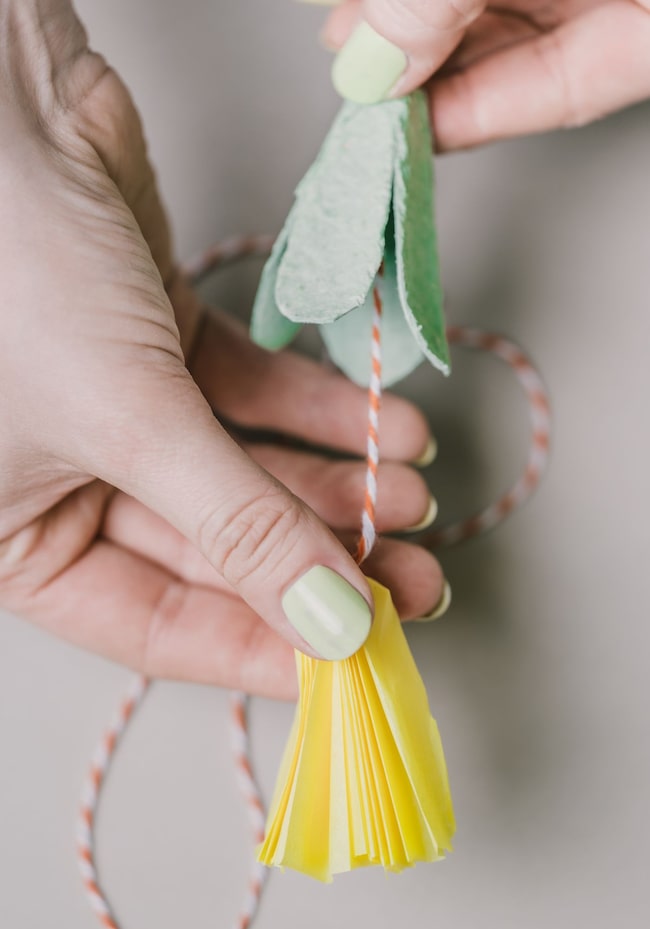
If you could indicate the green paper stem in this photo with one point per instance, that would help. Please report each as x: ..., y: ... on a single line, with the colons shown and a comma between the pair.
x: 418, y: 274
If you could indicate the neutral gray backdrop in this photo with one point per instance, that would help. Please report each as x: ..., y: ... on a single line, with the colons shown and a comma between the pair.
x: 538, y: 675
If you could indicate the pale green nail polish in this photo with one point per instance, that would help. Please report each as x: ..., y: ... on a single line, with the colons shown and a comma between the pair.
x: 427, y: 519
x: 331, y: 616
x: 441, y: 606
x: 368, y: 66
x: 428, y: 455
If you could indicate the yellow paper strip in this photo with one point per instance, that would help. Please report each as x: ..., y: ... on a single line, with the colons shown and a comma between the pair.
x: 363, y: 778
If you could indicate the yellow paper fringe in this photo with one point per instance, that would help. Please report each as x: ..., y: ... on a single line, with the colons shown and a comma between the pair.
x: 363, y: 778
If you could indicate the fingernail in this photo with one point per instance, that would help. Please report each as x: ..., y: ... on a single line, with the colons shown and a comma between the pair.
x: 427, y: 519
x: 328, y: 612
x: 428, y: 455
x: 368, y: 66
x: 441, y: 606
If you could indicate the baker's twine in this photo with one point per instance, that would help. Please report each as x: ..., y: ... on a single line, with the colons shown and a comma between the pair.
x: 368, y: 535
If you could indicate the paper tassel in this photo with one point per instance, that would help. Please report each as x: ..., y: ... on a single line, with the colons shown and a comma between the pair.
x: 363, y: 778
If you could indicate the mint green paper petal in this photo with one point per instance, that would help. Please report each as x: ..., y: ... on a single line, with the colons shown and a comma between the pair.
x: 348, y: 339
x: 269, y: 328
x: 418, y: 274
x: 336, y: 243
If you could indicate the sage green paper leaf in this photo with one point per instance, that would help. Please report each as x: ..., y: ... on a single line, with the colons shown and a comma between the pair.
x: 336, y: 243
x: 348, y: 339
x: 269, y: 328
x: 418, y: 274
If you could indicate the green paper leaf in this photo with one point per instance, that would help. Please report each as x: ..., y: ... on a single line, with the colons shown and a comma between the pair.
x: 336, y: 243
x: 348, y: 339
x: 269, y: 328
x: 418, y: 274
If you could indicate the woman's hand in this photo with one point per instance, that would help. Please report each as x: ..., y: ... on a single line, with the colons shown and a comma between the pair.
x: 131, y: 522
x: 502, y: 69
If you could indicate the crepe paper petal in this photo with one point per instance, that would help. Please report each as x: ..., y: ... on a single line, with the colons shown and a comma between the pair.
x: 348, y: 339
x: 269, y: 328
x: 418, y: 274
x: 336, y: 243
x: 363, y: 778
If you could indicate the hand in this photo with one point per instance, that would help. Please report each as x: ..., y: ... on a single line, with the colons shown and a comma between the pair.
x: 511, y: 68
x: 131, y: 523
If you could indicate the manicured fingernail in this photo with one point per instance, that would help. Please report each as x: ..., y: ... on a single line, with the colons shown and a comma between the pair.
x: 427, y: 519
x: 331, y: 616
x: 368, y: 66
x: 427, y: 455
x: 441, y: 606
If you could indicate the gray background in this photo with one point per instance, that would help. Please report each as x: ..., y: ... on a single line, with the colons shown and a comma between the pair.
x: 538, y: 675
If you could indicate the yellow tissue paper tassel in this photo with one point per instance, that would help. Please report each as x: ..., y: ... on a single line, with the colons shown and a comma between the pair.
x: 363, y: 778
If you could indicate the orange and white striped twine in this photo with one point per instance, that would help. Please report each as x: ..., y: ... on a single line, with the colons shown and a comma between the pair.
x: 234, y: 248
x: 240, y: 745
x: 540, y: 419
x: 225, y: 252
x: 90, y: 796
x: 99, y: 767
x: 368, y: 532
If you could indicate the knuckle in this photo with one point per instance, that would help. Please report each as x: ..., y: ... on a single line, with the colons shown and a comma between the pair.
x: 346, y: 485
x: 467, y: 98
x: 252, y: 539
x: 156, y: 658
x: 16, y: 560
x: 444, y: 16
x: 29, y: 559
x: 551, y: 55
x: 464, y: 12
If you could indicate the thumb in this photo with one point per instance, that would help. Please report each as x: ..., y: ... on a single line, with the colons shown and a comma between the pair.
x: 390, y: 47
x: 176, y: 458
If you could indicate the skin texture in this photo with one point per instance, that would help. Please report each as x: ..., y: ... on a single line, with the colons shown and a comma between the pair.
x: 131, y: 522
x: 514, y: 67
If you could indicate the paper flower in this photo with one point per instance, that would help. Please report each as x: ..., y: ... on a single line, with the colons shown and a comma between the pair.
x: 366, y: 204
x: 363, y: 779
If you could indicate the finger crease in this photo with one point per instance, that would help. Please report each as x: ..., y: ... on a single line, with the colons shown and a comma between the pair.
x: 550, y: 52
x: 165, y: 613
